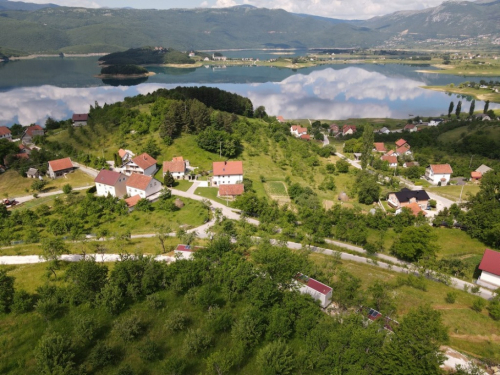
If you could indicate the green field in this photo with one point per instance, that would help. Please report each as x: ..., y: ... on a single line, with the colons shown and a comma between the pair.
x: 276, y: 188
x: 211, y: 193
x: 480, y: 94
x: 457, y: 134
x: 453, y: 192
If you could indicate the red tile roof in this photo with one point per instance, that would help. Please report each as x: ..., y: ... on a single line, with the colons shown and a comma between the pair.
x: 178, y: 158
x: 22, y: 156
x: 415, y: 208
x: 33, y: 128
x: 441, y: 168
x: 174, y: 166
x: 4, y: 130
x: 299, y: 129
x: 347, y: 127
x: 122, y: 152
x: 476, y: 175
x: 390, y: 159
x: 410, y: 126
x: 227, y: 168
x: 138, y: 181
x: 231, y: 189
x: 379, y: 146
x: 390, y: 152
x: 401, y: 150
x: 400, y: 142
x: 144, y: 161
x: 280, y: 119
x: 490, y: 262
x: 61, y: 164
x: 80, y: 117
x: 132, y: 201
x: 109, y: 178
x: 313, y: 284
x: 307, y: 137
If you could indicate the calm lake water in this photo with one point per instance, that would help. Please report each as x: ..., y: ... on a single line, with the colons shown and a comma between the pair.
x: 32, y: 90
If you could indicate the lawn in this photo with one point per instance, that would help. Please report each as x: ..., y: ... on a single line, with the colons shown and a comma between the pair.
x: 276, y: 188
x: 470, y: 332
x: 14, y: 185
x: 211, y: 193
x: 457, y: 134
x: 453, y: 192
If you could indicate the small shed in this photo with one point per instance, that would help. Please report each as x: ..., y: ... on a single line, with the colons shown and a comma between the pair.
x: 316, y: 289
x: 33, y: 173
x: 343, y: 197
x: 490, y: 269
x: 476, y: 176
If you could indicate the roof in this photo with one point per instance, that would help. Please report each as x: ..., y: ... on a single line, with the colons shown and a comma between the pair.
x: 400, y: 142
x: 122, y: 152
x: 280, y: 119
x: 132, y: 201
x: 32, y: 172
x: 347, y: 127
x: 490, y: 262
x: 108, y: 177
x: 412, y: 164
x: 402, y: 149
x: 406, y: 194
x: 305, y: 136
x: 379, y: 146
x: 223, y: 168
x: 178, y: 158
x: 138, y: 181
x: 80, y: 117
x: 4, y: 130
x: 441, y: 168
x: 390, y: 152
x: 174, y: 166
x: 231, y: 189
x: 410, y: 126
x: 22, y: 156
x: 299, y: 129
x: 476, y: 175
x: 33, y: 128
x: 313, y: 284
x: 415, y: 208
x: 61, y: 164
x: 483, y: 169
x: 390, y: 159
x: 144, y: 161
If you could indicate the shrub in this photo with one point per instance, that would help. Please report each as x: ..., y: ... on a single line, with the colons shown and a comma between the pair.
x: 177, y: 321
x: 48, y: 307
x: 67, y: 189
x: 155, y: 302
x: 125, y: 370
x: 84, y: 328
x: 112, y: 299
x: 276, y: 358
x: 478, y: 304
x: 174, y: 366
x: 432, y: 203
x: 494, y: 309
x: 149, y: 351
x: 129, y: 328
x: 451, y: 297
x: 475, y: 289
x: 53, y: 355
x: 100, y: 356
x: 197, y: 341
x: 22, y: 303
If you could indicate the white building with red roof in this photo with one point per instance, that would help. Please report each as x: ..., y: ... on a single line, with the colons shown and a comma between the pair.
x: 142, y: 164
x: 391, y: 159
x: 349, y: 130
x: 5, y: 133
x: 227, y: 172
x: 298, y: 130
x: 490, y: 269
x: 231, y: 191
x: 31, y: 132
x: 280, y: 119
x: 439, y: 173
x: 60, y: 167
x: 125, y: 155
x: 141, y: 185
x: 379, y: 147
x: 80, y: 119
x: 111, y: 183
x: 186, y: 251
x: 317, y: 290
x: 177, y: 167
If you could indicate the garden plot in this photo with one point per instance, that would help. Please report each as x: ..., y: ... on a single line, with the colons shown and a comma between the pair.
x: 277, y: 191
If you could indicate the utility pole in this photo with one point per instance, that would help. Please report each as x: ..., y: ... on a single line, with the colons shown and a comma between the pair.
x: 220, y: 149
x: 471, y: 160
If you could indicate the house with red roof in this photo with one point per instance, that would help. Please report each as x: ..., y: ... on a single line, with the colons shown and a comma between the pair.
x: 142, y: 185
x: 142, y: 164
x: 391, y: 159
x: 111, y: 183
x: 401, y: 142
x: 227, y: 172
x: 403, y: 150
x: 349, y: 130
x: 280, y: 119
x: 132, y: 201
x: 305, y: 137
x: 475, y: 176
x: 410, y: 128
x: 490, y: 269
x: 334, y: 129
x: 80, y: 119
x: 186, y: 251
x: 5, y: 133
x: 31, y: 132
x: 231, y: 190
x: 125, y: 155
x: 177, y: 167
x: 317, y: 290
x: 60, y: 167
x: 379, y: 147
x: 298, y: 130
x: 439, y: 173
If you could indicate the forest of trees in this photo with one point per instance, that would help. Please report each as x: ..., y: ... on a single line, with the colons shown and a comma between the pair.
x: 146, y: 56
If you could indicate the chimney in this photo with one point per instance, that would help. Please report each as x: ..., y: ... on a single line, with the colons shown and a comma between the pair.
x: 225, y: 163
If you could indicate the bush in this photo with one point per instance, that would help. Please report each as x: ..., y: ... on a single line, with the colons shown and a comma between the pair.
x: 100, y: 356
x: 342, y: 166
x: 478, y: 304
x: 22, y: 303
x: 174, y: 366
x: 67, y: 189
x: 84, y: 328
x: 432, y: 203
x: 129, y: 328
x: 494, y: 309
x: 330, y: 168
x: 48, y: 307
x: 451, y: 297
x: 92, y: 190
x: 149, y: 351
x: 125, y: 370
x: 276, y: 358
x: 112, y: 299
x: 53, y: 355
x: 197, y: 341
x: 155, y: 302
x: 177, y: 321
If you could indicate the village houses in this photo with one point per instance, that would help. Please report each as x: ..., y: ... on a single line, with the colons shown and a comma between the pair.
x: 177, y: 167
x: 348, y: 130
x: 60, y: 167
x: 379, y: 147
x: 227, y: 172
x: 391, y: 159
x: 142, y: 185
x: 410, y: 128
x: 231, y: 191
x: 439, y: 174
x: 316, y: 289
x: 31, y: 132
x: 125, y: 155
x: 79, y: 119
x: 5, y: 133
x: 298, y: 130
x: 111, y: 183
x: 142, y: 164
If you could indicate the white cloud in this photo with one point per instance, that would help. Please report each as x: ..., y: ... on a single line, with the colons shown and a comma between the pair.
x: 225, y: 3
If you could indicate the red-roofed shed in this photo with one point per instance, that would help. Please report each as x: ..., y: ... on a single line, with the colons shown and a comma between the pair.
x: 490, y: 269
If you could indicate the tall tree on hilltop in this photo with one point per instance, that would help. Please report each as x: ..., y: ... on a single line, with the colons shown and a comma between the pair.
x: 459, y: 109
x: 472, y: 107
x: 366, y: 151
x: 486, y: 106
x: 450, y: 109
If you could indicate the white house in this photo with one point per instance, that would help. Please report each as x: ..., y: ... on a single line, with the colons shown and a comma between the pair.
x: 125, y: 155
x: 298, y: 130
x: 439, y: 173
x: 80, y: 119
x: 5, y: 133
x: 111, y: 183
x: 60, y: 167
x: 141, y: 185
x: 391, y: 159
x: 317, y: 290
x: 435, y: 121
x: 384, y: 130
x: 410, y: 128
x: 227, y: 172
x: 142, y: 164
x: 490, y: 269
x: 177, y: 167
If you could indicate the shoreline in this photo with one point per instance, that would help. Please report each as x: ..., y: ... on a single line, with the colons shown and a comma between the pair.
x: 124, y: 76
x: 36, y: 56
x: 481, y: 94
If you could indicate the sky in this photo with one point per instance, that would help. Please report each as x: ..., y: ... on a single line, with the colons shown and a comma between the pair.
x: 347, y: 9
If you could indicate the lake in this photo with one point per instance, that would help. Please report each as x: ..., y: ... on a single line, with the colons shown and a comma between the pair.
x: 32, y: 90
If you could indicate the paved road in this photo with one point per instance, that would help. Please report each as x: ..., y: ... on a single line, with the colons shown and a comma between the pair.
x: 90, y: 171
x: 354, y: 163
x: 27, y: 198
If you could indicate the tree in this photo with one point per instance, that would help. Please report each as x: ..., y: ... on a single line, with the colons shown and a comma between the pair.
x: 342, y: 166
x: 168, y: 179
x: 415, y: 243
x: 260, y: 112
x: 151, y: 148
x: 472, y: 107
x: 52, y: 249
x: 67, y: 189
x: 450, y: 109
x: 144, y: 205
x: 6, y: 291
x: 459, y: 109
x: 486, y: 106
x: 367, y: 148
x: 381, y: 298
x: 346, y: 289
x: 276, y: 358
x: 38, y: 185
x: 162, y: 234
x: 53, y: 355
x: 86, y: 279
x: 367, y: 187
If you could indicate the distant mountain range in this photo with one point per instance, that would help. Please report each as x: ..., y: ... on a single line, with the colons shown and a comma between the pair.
x: 36, y: 28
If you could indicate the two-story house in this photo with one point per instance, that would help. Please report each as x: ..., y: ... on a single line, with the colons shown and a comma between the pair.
x: 439, y: 173
x: 142, y: 185
x: 111, y: 183
x: 5, y: 133
x: 177, y: 167
x: 31, y: 132
x: 298, y: 130
x: 60, y: 167
x: 405, y: 197
x: 142, y: 164
x: 227, y: 173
